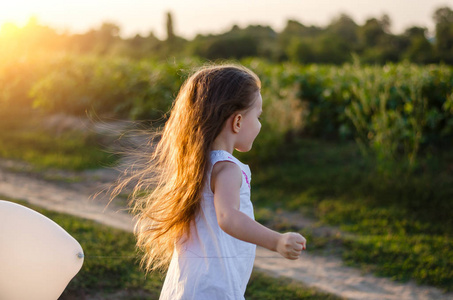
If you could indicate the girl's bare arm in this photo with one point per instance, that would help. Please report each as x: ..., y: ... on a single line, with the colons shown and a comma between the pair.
x: 226, y: 180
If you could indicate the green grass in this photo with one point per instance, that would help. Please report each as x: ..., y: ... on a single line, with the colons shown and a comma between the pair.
x: 262, y: 286
x: 43, y: 149
x: 391, y: 242
x: 401, y: 224
x: 111, y: 267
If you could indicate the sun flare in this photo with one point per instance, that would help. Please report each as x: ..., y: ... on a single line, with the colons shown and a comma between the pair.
x: 15, y: 15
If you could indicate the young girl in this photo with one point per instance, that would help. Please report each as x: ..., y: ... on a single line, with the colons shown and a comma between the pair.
x: 198, y: 220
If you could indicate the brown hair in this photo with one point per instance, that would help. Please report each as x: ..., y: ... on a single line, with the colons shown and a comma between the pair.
x: 168, y: 189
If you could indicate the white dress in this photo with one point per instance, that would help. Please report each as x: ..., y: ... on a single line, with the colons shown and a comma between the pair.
x: 212, y: 265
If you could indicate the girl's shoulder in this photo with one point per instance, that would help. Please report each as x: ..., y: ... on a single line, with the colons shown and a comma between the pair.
x: 222, y: 155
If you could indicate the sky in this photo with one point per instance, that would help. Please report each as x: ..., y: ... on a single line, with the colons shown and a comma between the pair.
x: 191, y: 17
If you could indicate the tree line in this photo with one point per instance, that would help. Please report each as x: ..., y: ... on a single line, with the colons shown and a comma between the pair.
x: 342, y: 40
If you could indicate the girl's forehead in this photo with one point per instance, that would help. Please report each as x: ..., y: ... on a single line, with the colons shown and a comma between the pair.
x: 258, y: 102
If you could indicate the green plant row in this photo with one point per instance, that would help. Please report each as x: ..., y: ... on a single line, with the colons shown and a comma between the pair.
x: 395, y: 110
x: 115, y: 87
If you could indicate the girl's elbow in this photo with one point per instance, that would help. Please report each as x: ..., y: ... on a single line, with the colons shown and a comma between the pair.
x: 222, y: 220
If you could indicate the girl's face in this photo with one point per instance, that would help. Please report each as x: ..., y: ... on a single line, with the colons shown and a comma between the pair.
x: 250, y: 126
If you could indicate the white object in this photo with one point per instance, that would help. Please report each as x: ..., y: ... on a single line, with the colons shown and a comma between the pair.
x: 212, y: 264
x: 38, y: 258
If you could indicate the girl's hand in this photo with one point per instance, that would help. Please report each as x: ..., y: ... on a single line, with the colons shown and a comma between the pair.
x: 290, y: 245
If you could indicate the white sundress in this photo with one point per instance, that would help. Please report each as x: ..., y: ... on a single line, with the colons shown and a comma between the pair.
x: 212, y: 265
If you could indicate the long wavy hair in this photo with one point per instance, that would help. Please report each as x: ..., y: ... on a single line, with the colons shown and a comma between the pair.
x: 169, y: 180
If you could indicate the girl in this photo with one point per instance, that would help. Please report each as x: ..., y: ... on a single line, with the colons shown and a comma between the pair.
x: 198, y: 219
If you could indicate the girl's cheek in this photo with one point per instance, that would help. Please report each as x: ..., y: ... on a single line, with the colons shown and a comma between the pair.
x: 258, y: 131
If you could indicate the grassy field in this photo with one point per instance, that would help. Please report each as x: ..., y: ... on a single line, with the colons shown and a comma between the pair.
x: 399, y: 225
x: 43, y: 148
x: 111, y: 268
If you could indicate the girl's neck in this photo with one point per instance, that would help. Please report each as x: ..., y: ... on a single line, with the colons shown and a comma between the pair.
x: 221, y: 144
x: 223, y: 149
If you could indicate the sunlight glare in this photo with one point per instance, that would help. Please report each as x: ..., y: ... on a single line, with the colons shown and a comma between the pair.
x: 8, y: 29
x: 15, y: 15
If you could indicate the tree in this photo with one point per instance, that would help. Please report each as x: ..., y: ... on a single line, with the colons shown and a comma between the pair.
x: 331, y: 49
x: 294, y: 30
x: 216, y: 47
x: 174, y: 45
x: 377, y: 44
x: 170, y: 32
x: 300, y: 50
x: 418, y: 49
x: 345, y: 28
x: 443, y: 17
x: 139, y: 47
x: 371, y: 33
x: 106, y: 37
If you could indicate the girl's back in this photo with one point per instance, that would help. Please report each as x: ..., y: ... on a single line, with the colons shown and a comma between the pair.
x: 212, y: 264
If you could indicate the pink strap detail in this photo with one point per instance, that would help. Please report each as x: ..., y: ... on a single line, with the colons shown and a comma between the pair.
x: 246, y: 179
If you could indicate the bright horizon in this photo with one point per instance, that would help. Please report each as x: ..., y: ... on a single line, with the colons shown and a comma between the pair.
x: 202, y: 16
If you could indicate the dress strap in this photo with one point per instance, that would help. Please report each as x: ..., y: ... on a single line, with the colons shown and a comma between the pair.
x: 222, y: 155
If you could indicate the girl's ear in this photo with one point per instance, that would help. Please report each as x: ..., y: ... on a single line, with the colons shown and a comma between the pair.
x: 237, y: 123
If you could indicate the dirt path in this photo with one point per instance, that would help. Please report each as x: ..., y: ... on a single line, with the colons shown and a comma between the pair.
x: 72, y: 196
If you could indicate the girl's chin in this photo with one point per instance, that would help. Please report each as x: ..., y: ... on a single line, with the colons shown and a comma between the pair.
x: 243, y: 149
